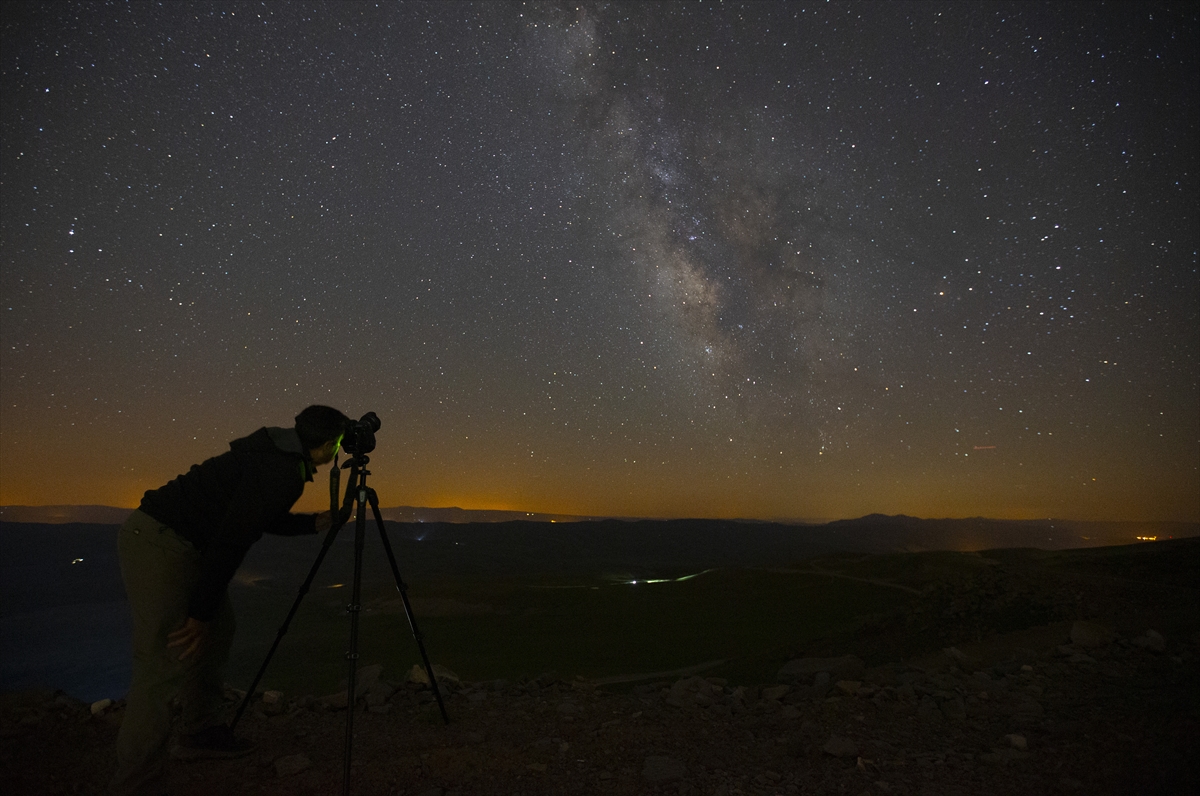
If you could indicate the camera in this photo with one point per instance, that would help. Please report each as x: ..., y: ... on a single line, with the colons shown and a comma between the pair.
x: 359, y: 438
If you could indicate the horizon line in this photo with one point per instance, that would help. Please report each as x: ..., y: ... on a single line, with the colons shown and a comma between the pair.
x: 630, y: 518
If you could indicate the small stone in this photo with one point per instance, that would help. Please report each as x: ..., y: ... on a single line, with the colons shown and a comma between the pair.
x: 958, y: 655
x: 1016, y: 741
x: 840, y: 747
x: 365, y: 678
x: 1152, y: 640
x: 661, y: 769
x: 272, y: 697
x: 1090, y: 634
x: 418, y: 675
x: 100, y: 706
x: 292, y: 764
x: 334, y: 701
x: 775, y: 692
x: 849, y: 686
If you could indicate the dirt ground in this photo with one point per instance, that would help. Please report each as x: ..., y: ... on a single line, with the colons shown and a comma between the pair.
x: 1027, y: 712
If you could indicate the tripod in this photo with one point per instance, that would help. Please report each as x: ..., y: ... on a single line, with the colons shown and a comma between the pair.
x: 359, y: 493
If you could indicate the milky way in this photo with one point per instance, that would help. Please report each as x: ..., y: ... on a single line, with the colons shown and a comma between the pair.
x: 757, y: 260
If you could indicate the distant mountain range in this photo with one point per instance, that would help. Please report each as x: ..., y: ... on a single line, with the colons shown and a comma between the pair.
x: 58, y: 515
x: 874, y: 533
x: 108, y: 515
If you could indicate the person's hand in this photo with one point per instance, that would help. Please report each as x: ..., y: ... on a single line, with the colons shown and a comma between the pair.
x: 191, y: 637
x: 324, y: 521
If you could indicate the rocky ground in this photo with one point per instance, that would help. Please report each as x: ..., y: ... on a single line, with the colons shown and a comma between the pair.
x: 1067, y: 707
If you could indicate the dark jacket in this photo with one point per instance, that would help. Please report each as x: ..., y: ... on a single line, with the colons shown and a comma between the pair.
x: 226, y: 504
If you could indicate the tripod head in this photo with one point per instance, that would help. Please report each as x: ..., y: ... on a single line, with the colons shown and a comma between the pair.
x: 358, y: 440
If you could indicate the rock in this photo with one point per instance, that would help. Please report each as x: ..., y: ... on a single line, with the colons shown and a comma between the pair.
x: 1016, y: 741
x: 543, y: 680
x: 292, y: 764
x: 775, y: 692
x: 850, y: 687
x: 661, y: 769
x: 927, y: 708
x: 1152, y: 641
x: 799, y: 694
x: 365, y: 679
x: 379, y: 693
x: 101, y: 706
x: 840, y: 747
x: 958, y: 656
x: 1090, y: 634
x: 821, y: 684
x: 418, y: 675
x: 273, y: 703
x: 334, y: 701
x: 846, y: 667
x: 678, y: 701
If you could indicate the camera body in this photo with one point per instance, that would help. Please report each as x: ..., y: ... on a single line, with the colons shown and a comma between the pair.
x: 359, y: 438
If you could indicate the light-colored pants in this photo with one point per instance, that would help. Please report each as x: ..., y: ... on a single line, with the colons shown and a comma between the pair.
x: 160, y: 568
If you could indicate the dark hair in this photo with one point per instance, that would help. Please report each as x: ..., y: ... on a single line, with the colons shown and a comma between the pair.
x: 317, y: 425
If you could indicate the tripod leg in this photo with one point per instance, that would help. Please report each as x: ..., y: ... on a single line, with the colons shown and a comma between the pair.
x: 312, y: 573
x: 360, y: 528
x: 403, y: 589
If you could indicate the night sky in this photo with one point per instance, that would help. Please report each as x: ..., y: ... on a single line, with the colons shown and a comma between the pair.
x: 763, y: 260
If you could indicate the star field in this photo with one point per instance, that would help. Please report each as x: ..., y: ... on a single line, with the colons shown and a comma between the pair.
x: 769, y: 260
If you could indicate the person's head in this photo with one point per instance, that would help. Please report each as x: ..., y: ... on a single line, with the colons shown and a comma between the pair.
x: 320, y: 429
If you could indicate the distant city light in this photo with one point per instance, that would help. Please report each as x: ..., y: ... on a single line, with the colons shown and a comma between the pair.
x: 76, y: 560
x: 667, y: 580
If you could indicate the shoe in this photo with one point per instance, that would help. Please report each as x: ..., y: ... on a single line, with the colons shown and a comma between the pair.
x: 211, y: 743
